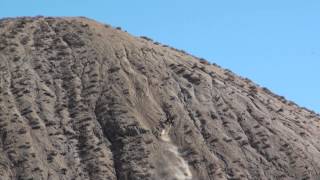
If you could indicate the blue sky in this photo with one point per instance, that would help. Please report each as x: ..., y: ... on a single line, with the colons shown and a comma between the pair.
x: 275, y: 43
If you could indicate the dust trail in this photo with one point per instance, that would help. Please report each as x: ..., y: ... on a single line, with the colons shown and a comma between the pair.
x: 176, y: 164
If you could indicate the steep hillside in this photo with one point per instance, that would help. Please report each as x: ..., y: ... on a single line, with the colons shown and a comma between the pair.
x: 81, y: 100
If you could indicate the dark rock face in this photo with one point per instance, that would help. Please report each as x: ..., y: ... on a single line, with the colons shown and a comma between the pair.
x: 80, y: 100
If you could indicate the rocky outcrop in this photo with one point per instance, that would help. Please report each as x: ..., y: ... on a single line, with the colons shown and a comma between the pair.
x: 81, y: 100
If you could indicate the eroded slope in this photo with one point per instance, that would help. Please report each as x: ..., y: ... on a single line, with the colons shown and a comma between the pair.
x: 81, y: 100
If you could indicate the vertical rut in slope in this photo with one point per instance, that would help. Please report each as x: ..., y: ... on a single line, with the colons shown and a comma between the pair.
x: 174, y: 164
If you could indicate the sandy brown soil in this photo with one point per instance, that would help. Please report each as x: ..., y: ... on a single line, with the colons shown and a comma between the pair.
x: 81, y: 100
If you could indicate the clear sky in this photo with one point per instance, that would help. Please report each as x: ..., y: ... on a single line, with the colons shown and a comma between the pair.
x: 276, y: 43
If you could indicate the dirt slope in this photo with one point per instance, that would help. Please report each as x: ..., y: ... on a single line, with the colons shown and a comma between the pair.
x: 81, y: 100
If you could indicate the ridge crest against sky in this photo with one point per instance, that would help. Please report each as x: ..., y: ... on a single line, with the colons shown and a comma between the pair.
x: 274, y: 43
